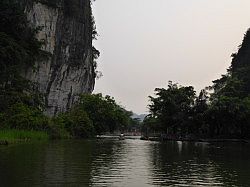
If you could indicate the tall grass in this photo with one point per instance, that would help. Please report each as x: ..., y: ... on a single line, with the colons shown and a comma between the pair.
x: 13, y: 136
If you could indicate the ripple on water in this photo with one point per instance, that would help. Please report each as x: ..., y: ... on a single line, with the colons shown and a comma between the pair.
x: 130, y: 163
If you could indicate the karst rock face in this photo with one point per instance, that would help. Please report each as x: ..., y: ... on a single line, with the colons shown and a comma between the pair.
x: 66, y: 30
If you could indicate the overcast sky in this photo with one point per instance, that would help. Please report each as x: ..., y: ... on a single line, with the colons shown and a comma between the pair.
x: 146, y: 43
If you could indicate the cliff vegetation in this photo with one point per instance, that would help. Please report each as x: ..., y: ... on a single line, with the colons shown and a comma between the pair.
x: 22, y: 105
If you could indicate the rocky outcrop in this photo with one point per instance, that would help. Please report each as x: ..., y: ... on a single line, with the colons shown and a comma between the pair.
x: 66, y: 30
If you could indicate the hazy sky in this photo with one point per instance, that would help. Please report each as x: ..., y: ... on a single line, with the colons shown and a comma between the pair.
x: 146, y: 43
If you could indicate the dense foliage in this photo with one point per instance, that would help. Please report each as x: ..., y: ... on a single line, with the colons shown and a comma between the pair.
x: 224, y: 113
x: 177, y: 112
x: 107, y: 116
x: 93, y: 115
x: 172, y: 106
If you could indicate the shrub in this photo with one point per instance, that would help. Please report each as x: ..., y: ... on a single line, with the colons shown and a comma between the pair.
x: 78, y: 124
x: 57, y: 128
x: 12, y: 136
x: 24, y: 117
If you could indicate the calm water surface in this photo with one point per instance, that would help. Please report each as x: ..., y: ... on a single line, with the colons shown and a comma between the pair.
x: 130, y: 163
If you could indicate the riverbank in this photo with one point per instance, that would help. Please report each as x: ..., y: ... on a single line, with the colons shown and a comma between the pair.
x: 18, y: 136
x: 209, y: 140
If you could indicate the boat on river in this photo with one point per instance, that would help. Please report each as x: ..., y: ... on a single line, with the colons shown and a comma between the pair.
x: 122, y: 137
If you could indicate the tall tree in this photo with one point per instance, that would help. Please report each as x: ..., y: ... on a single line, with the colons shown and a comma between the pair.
x: 172, y: 107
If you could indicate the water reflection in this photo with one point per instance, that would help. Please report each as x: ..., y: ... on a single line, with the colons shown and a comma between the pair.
x: 184, y: 164
x: 127, y: 165
x: 55, y: 163
x: 179, y: 143
x: 132, y: 163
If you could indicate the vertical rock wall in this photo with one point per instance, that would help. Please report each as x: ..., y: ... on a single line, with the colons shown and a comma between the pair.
x: 67, y: 33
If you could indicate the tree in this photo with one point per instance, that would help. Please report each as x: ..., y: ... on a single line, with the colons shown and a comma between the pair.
x: 199, y: 124
x: 172, y: 107
x: 107, y: 116
x: 78, y: 124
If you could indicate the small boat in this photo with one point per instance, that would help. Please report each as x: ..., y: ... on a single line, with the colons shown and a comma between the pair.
x: 122, y: 137
x: 144, y: 138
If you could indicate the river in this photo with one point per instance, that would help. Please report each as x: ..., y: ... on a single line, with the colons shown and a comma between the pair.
x: 128, y: 163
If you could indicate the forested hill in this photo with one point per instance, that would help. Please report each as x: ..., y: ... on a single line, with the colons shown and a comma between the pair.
x: 242, y: 58
x: 219, y: 111
x: 237, y: 81
x: 241, y: 65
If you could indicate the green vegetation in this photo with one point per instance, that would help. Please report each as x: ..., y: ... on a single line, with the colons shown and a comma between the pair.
x: 93, y: 115
x: 172, y: 107
x: 107, y: 116
x: 14, y: 136
x: 223, y: 113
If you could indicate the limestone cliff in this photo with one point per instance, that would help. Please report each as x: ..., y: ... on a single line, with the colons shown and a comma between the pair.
x: 66, y: 30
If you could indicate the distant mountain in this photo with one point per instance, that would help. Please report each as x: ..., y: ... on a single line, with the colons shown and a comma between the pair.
x: 139, y: 116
